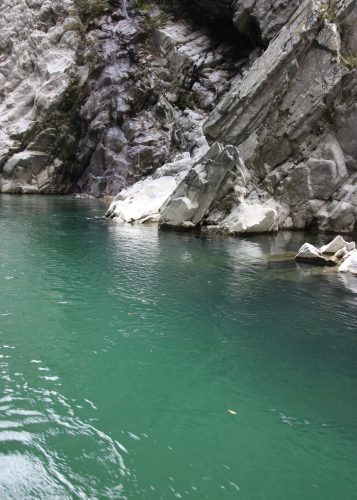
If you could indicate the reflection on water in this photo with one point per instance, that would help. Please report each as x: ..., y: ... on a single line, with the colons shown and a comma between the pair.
x: 144, y: 364
x: 36, y: 422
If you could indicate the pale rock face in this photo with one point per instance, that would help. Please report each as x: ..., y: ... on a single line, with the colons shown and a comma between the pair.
x: 290, y: 115
x: 142, y: 201
x: 253, y: 218
x: 38, y: 48
x: 350, y: 264
x: 208, y: 180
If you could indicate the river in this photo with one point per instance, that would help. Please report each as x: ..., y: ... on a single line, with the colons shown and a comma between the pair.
x: 137, y: 364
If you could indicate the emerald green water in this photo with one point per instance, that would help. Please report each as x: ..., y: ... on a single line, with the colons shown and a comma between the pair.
x: 122, y: 350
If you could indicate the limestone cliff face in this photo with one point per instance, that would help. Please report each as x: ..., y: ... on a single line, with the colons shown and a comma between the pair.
x: 293, y: 118
x: 231, y: 115
x: 39, y: 40
x: 156, y: 80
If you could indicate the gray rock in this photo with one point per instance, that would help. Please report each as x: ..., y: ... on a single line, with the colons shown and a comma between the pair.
x: 266, y: 17
x: 292, y: 118
x: 206, y: 182
x: 37, y: 67
x: 152, y: 88
x: 149, y: 100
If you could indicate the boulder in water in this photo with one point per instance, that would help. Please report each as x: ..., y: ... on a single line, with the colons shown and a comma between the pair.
x: 309, y: 253
x: 349, y: 264
x: 338, y: 252
x: 337, y: 244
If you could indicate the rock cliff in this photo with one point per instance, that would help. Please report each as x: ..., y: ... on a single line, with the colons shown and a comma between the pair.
x: 292, y: 117
x: 39, y: 41
x: 228, y: 115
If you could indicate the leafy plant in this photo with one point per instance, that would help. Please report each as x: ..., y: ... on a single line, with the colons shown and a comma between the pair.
x: 90, y: 9
x: 141, y: 5
x: 349, y: 60
x: 170, y: 7
x: 328, y: 11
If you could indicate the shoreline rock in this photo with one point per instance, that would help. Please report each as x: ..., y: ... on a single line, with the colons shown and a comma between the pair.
x: 337, y: 252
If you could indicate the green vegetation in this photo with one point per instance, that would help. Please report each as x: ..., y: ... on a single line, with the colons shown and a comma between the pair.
x: 185, y: 100
x: 349, y: 60
x: 151, y: 23
x: 66, y: 113
x: 328, y: 11
x: 170, y: 7
x: 141, y: 5
x: 90, y: 9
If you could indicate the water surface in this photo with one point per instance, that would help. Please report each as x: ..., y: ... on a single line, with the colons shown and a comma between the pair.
x: 144, y: 365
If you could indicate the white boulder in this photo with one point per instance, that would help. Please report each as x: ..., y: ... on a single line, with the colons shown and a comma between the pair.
x: 141, y: 202
x: 208, y: 180
x: 337, y: 252
x: 337, y: 244
x: 253, y: 218
x: 350, y: 264
x: 309, y: 253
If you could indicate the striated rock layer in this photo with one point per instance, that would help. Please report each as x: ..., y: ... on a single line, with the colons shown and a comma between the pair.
x: 294, y: 119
